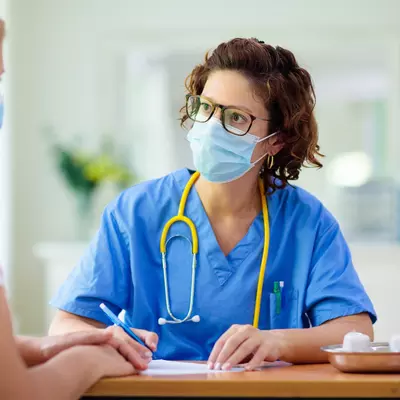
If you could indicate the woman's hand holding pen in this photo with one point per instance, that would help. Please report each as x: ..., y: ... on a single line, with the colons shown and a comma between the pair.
x: 134, y: 352
x: 244, y: 343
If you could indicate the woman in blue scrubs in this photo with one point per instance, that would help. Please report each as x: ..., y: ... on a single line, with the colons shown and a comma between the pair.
x: 271, y: 259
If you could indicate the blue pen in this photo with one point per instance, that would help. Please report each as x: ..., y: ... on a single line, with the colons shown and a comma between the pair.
x: 115, y: 320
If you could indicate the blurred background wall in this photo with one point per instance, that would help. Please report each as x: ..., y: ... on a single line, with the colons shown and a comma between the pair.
x: 97, y: 67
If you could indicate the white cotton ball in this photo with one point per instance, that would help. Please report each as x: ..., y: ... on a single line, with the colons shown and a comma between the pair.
x: 394, y: 343
x: 356, y: 342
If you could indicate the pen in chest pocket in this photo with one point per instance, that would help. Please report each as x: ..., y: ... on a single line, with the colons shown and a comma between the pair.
x: 278, y: 288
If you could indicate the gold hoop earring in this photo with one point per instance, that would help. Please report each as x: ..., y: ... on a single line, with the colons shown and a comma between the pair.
x: 270, y: 161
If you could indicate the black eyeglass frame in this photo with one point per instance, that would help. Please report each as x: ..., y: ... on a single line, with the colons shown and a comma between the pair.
x: 222, y: 108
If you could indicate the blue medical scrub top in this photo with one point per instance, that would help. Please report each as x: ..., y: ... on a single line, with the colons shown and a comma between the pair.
x: 122, y: 268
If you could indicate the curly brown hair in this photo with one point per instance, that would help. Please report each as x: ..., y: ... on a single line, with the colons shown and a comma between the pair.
x: 288, y: 95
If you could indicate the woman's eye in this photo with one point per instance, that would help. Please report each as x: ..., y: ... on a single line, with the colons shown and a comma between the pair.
x: 205, y: 106
x: 238, y: 118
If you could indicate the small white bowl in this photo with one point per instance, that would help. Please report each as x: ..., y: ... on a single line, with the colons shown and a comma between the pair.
x: 356, y: 342
x: 394, y: 343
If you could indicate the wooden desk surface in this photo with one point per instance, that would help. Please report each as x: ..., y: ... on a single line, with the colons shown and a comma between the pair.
x: 287, y: 381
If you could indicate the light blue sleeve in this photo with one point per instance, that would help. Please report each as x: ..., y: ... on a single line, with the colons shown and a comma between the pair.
x: 334, y: 288
x: 102, y: 275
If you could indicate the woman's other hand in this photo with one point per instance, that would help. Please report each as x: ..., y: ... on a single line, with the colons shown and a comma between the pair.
x: 244, y: 343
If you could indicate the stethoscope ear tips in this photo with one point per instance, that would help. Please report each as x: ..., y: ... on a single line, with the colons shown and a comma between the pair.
x: 162, y: 321
x: 196, y: 318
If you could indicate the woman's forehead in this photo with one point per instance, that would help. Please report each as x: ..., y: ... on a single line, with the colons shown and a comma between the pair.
x: 231, y: 88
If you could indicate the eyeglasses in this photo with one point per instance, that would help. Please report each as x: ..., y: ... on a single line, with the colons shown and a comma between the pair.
x: 235, y: 121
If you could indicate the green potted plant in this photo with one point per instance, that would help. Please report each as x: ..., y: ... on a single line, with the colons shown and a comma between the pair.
x: 85, y: 171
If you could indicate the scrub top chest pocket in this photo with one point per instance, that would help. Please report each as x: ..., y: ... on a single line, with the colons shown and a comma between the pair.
x: 283, y: 307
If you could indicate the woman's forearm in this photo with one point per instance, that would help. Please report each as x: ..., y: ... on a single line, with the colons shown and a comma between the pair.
x: 65, y: 322
x: 29, y: 350
x: 66, y: 376
x: 301, y: 346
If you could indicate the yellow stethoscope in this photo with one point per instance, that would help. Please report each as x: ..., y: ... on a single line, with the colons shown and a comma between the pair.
x: 195, y: 249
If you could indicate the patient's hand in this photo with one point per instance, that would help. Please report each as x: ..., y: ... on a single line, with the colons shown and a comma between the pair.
x: 37, y: 350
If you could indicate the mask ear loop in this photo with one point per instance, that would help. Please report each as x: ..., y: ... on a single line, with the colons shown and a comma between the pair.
x: 266, y: 154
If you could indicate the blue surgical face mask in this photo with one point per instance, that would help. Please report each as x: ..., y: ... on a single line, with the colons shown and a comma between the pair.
x: 220, y: 156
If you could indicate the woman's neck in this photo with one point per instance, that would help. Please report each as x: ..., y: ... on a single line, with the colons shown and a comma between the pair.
x: 239, y: 197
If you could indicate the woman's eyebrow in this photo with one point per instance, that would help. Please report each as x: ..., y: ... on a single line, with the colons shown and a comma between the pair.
x: 230, y: 105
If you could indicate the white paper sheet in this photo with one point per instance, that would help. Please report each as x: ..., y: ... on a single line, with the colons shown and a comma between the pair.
x: 163, y: 367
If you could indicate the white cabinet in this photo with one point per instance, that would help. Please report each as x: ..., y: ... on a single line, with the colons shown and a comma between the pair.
x: 58, y: 260
x: 379, y: 269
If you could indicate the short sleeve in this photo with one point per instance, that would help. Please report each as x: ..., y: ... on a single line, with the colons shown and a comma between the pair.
x: 102, y: 275
x: 334, y: 288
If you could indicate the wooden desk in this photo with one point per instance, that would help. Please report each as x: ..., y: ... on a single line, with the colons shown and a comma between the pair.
x: 306, y: 381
